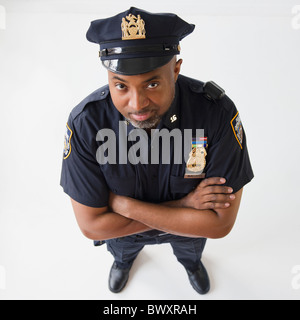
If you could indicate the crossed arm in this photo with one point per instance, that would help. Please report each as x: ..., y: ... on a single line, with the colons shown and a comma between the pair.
x: 208, y: 211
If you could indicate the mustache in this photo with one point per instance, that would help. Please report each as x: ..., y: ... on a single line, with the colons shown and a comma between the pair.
x: 141, y: 112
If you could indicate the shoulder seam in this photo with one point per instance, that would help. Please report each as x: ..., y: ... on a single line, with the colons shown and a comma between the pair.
x: 98, y: 95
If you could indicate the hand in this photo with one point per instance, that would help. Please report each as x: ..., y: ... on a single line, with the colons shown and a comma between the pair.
x: 209, y: 194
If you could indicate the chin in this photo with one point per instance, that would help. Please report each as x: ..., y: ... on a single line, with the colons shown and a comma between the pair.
x: 147, y: 124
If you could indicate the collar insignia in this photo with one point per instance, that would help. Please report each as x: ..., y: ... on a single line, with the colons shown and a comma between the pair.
x: 173, y: 118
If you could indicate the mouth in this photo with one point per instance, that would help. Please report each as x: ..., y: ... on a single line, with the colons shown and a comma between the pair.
x: 141, y: 116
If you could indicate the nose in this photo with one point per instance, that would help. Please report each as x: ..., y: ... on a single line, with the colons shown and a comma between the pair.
x: 138, y: 100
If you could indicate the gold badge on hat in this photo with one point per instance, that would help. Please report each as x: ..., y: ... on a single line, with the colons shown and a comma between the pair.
x: 134, y: 28
x: 197, y: 159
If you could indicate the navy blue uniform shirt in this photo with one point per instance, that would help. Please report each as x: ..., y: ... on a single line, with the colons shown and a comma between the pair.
x: 89, y: 182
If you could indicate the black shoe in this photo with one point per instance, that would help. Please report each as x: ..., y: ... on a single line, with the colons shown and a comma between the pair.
x: 117, y: 278
x: 199, y: 279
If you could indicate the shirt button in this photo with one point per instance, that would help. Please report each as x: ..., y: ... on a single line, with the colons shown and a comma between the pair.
x: 102, y: 93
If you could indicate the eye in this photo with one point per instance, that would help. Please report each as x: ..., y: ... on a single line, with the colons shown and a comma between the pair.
x: 120, y: 86
x: 153, y: 85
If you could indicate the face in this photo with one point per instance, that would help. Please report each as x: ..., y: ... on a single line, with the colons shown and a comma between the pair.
x: 143, y: 99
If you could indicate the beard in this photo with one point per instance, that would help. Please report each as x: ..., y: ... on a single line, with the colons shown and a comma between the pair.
x: 150, y: 123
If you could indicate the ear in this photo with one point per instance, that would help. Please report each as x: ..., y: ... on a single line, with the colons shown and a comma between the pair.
x: 177, y: 68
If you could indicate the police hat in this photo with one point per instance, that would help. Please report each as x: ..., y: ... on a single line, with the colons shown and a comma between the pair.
x: 137, y: 41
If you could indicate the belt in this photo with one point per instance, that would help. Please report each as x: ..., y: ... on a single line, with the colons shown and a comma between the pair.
x: 151, y: 233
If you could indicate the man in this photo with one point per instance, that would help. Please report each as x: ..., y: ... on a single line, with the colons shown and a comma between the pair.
x: 154, y: 157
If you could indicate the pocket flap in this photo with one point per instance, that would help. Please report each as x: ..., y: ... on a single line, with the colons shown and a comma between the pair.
x: 182, y: 185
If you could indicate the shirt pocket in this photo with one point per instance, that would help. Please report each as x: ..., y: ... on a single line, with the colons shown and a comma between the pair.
x: 180, y: 186
x: 121, y: 186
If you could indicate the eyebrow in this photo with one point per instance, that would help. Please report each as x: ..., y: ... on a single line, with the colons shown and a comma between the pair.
x: 119, y: 79
x: 156, y: 77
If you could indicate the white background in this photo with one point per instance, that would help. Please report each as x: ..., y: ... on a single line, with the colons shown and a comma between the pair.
x: 250, y: 48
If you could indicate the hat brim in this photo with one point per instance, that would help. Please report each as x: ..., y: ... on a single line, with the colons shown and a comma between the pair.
x: 135, y: 66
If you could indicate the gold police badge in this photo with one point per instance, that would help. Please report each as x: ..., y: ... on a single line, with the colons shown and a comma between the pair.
x: 197, y: 159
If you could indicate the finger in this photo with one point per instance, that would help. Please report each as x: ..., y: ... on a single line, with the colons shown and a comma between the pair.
x: 215, y: 190
x: 212, y: 181
x: 216, y: 205
x: 218, y: 198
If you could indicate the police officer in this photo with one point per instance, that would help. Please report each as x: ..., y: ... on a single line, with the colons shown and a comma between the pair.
x: 153, y: 157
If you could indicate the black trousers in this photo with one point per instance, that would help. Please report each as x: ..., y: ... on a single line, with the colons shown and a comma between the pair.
x: 188, y: 251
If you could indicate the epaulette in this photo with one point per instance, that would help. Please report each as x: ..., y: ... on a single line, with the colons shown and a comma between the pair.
x: 212, y: 91
x: 99, y: 94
